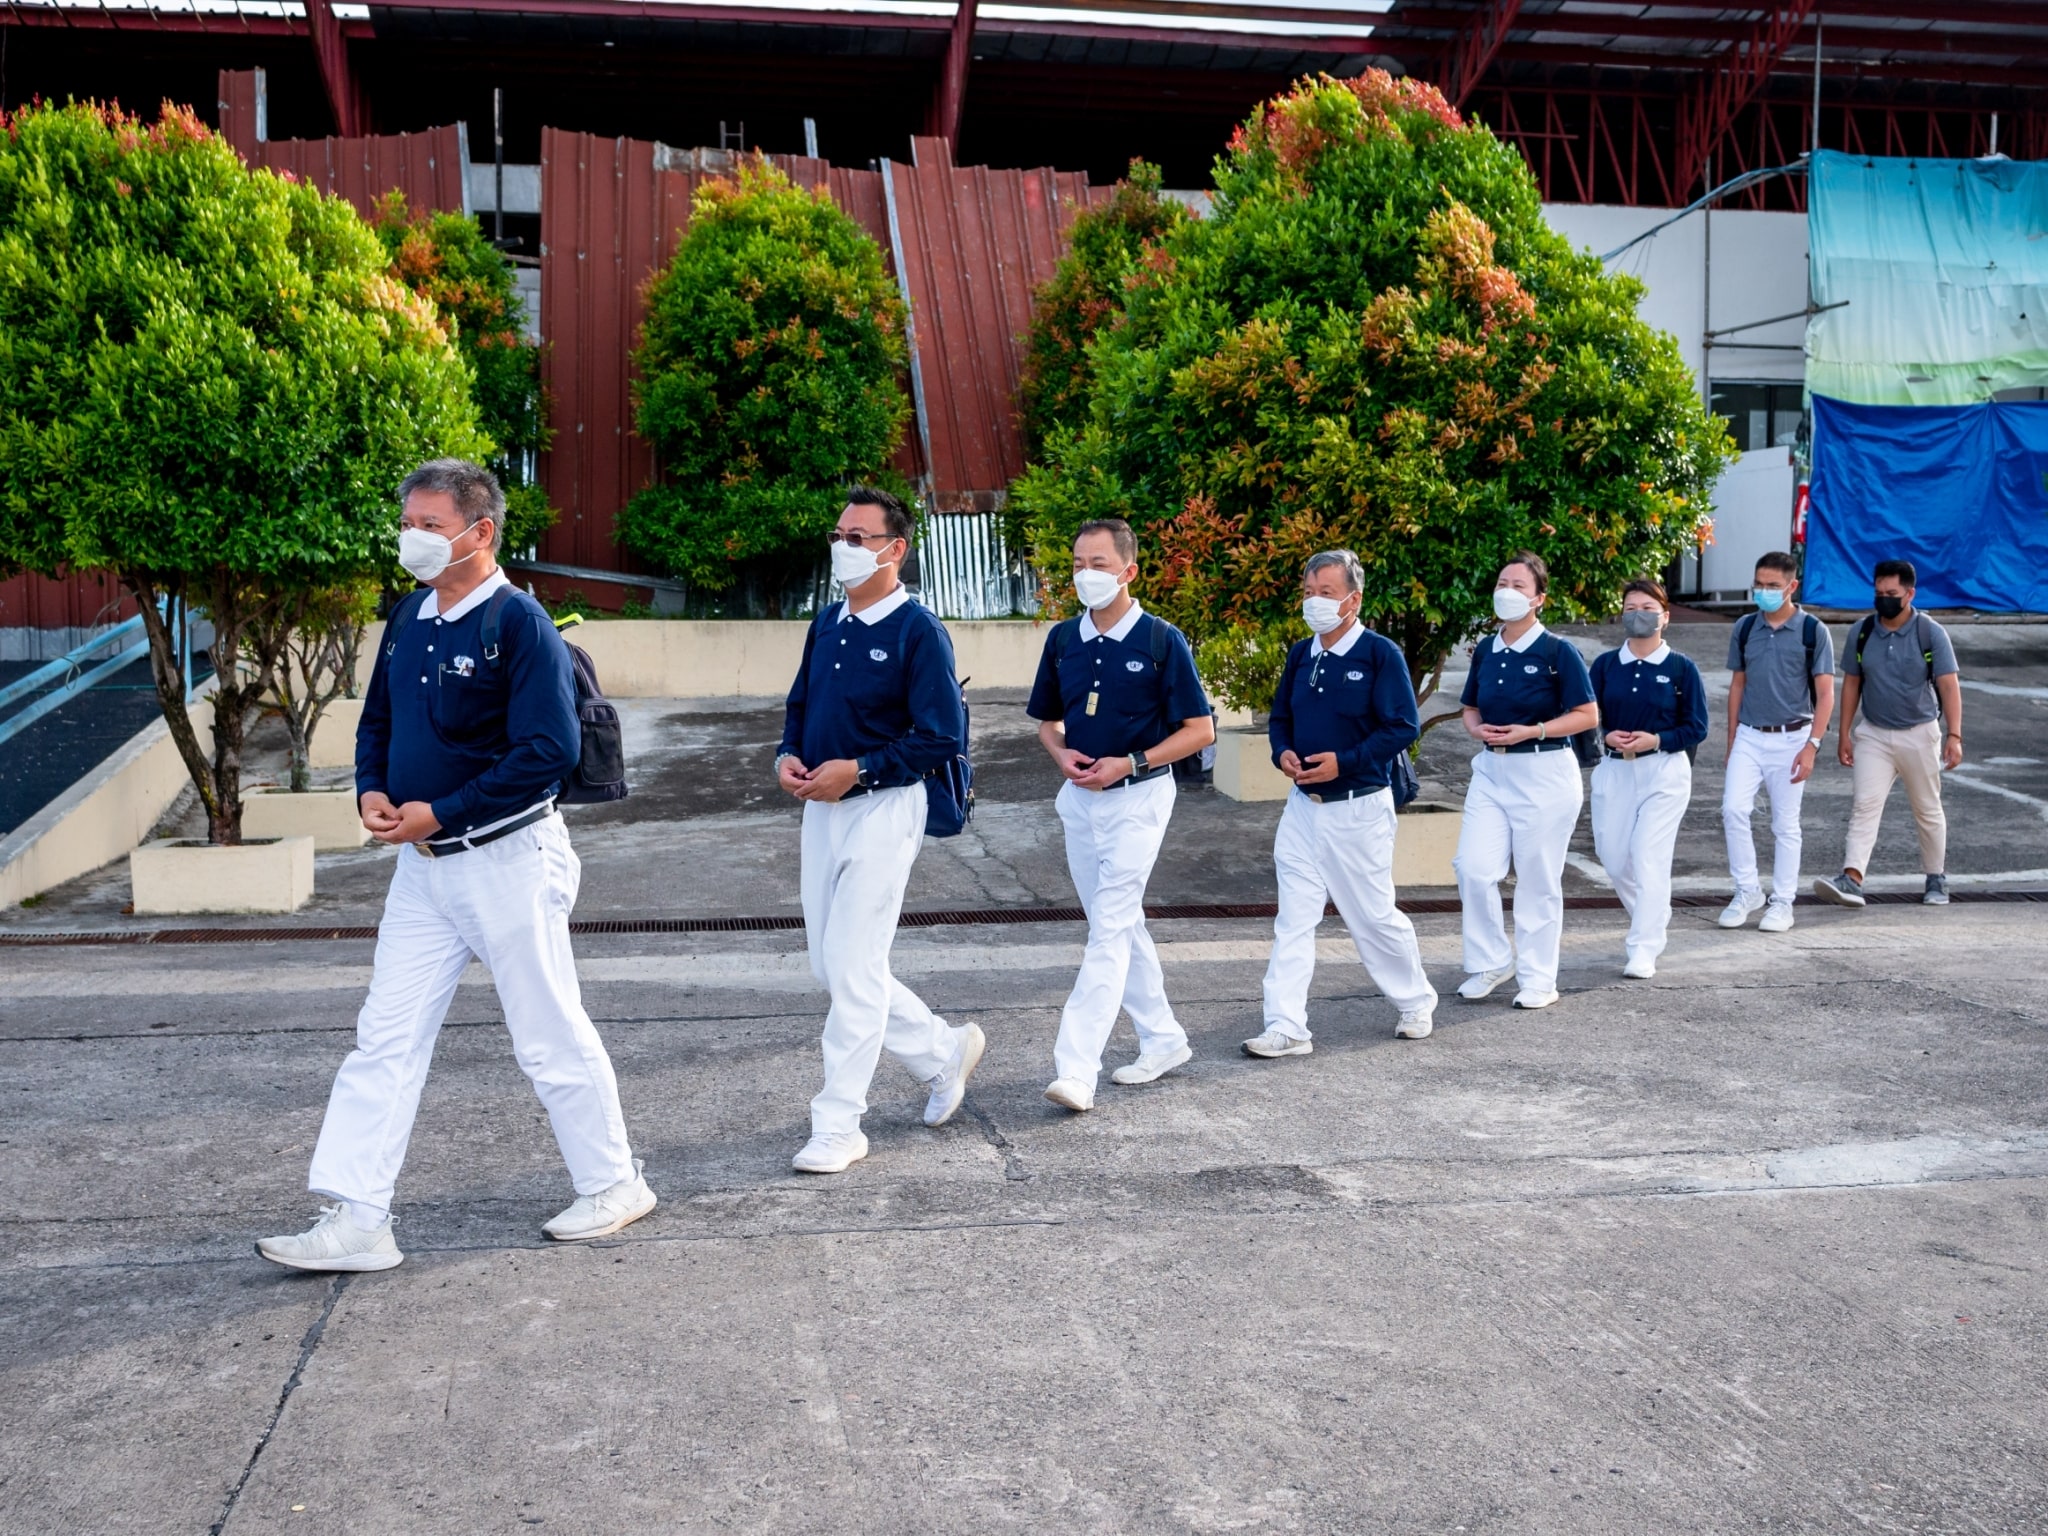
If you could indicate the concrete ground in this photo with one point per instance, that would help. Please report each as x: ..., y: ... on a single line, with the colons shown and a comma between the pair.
x: 1755, y: 1246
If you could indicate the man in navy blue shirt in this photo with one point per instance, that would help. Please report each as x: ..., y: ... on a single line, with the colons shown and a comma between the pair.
x: 1345, y: 708
x: 462, y: 749
x: 874, y: 709
x: 1118, y: 702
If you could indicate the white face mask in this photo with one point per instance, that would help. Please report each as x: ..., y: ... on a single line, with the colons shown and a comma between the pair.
x: 851, y: 567
x: 1096, y: 589
x: 426, y: 555
x: 1510, y: 605
x: 1322, y: 614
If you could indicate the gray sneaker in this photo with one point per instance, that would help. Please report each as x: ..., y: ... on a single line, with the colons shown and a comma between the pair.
x: 1845, y: 890
x: 1937, y: 891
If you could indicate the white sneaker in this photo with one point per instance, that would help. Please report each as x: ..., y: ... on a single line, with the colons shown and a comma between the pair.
x: 1529, y: 997
x: 830, y: 1152
x: 1148, y: 1069
x: 1777, y: 918
x: 1271, y: 1043
x: 1481, y: 983
x: 1415, y: 1024
x: 334, y: 1243
x: 1069, y: 1093
x: 1736, y: 913
x: 602, y: 1214
x: 950, y: 1086
x: 1640, y: 967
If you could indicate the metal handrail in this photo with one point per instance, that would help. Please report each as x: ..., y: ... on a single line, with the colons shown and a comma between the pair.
x: 128, y: 632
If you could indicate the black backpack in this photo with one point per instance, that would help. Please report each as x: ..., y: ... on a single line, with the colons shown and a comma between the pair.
x: 1809, y: 632
x: 1863, y: 633
x: 1586, y: 743
x: 1197, y: 768
x: 600, y: 772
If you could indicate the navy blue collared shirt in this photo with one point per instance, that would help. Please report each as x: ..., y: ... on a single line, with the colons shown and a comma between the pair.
x: 1108, y: 692
x: 878, y: 687
x: 1534, y: 680
x: 1355, y: 701
x: 1661, y: 692
x: 479, y: 738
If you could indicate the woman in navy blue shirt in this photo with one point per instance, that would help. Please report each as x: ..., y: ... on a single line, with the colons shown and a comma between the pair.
x: 1526, y: 696
x: 1653, y: 715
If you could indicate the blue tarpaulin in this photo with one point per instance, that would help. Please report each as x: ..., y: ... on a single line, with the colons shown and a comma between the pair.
x: 1959, y: 490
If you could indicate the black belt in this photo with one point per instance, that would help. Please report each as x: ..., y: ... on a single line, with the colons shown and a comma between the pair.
x: 1555, y: 744
x: 1344, y: 794
x: 1629, y: 757
x: 454, y: 845
x: 1139, y: 778
x: 1780, y: 730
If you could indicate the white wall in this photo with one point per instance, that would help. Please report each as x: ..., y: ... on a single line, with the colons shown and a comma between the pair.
x: 1708, y: 272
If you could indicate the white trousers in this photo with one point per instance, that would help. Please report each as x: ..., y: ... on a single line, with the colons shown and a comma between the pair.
x: 507, y: 903
x: 1113, y: 838
x: 1637, y: 806
x: 1341, y: 852
x: 1883, y: 754
x: 856, y: 863
x: 1520, y: 811
x: 1765, y: 760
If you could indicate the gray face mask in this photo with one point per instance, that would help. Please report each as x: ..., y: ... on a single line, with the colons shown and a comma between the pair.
x: 1641, y: 623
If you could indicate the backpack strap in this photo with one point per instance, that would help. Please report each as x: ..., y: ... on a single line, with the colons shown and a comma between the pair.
x: 1809, y: 631
x: 1160, y: 645
x: 1066, y: 632
x: 1863, y: 633
x: 1743, y: 630
x: 494, y: 607
x: 402, y: 615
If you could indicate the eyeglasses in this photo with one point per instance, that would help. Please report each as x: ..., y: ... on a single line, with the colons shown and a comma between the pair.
x: 861, y: 540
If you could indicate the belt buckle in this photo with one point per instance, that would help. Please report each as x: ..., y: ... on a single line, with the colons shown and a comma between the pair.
x: 427, y: 849
x: 1628, y: 755
x: 1318, y: 799
x: 1503, y: 751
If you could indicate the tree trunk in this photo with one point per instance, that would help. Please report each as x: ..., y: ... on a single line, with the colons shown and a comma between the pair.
x: 169, y: 677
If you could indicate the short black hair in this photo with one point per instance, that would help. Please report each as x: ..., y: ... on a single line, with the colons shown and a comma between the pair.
x: 1777, y: 560
x: 1538, y: 571
x: 1119, y: 533
x: 1901, y: 570
x: 894, y: 514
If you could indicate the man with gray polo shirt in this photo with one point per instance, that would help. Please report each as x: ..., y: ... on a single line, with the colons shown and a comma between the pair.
x: 1780, y: 695
x: 1901, y: 668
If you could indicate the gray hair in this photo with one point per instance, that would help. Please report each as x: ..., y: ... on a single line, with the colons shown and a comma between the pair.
x: 474, y: 490
x: 1343, y: 560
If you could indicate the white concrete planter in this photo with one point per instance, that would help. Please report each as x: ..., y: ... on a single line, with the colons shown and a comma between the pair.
x: 334, y: 738
x: 1425, y: 843
x: 328, y: 816
x: 1244, y: 767
x: 173, y: 875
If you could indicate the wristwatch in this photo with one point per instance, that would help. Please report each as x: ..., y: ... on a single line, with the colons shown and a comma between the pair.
x: 1138, y: 764
x: 861, y: 776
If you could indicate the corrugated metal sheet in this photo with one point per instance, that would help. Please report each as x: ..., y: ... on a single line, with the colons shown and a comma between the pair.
x: 966, y: 571
x: 79, y: 603
x: 429, y: 168
x: 972, y: 245
x: 612, y: 211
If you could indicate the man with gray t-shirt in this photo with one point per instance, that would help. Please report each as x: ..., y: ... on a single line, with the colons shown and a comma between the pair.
x: 1781, y: 690
x: 1901, y: 667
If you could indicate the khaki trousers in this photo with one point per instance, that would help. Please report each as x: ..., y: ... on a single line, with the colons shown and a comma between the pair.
x: 1883, y: 754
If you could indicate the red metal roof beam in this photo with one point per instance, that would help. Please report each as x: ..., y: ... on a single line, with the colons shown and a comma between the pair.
x: 943, y: 121
x: 1708, y: 110
x: 1473, y: 48
x: 344, y: 95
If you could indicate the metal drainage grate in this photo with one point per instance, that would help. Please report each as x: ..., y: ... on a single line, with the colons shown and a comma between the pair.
x: 965, y: 917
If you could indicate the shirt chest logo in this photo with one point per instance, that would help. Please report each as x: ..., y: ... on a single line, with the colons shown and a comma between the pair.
x: 465, y: 666
x: 1134, y: 666
x: 1532, y: 669
x: 1354, y: 677
x: 1662, y: 678
x: 878, y: 654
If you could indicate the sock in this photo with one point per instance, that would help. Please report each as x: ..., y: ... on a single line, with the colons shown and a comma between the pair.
x: 364, y: 1218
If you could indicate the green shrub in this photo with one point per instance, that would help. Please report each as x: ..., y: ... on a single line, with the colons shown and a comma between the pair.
x: 445, y: 258
x: 770, y: 378
x: 1104, y: 246
x: 210, y: 385
x: 1375, y: 341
